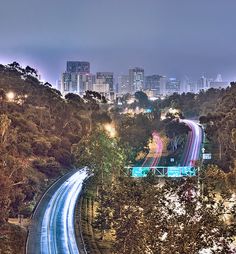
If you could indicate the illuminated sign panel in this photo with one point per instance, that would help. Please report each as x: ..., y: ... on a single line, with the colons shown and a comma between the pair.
x: 140, y: 171
x: 206, y: 156
x: 174, y: 172
x: 181, y: 171
x: 164, y: 171
x: 188, y: 171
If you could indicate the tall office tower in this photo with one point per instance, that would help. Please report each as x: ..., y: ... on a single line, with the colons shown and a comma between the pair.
x: 74, y: 79
x: 78, y: 67
x: 152, y: 83
x: 101, y: 86
x: 173, y: 86
x: 69, y: 82
x: 203, y: 83
x: 185, y: 85
x: 136, y: 79
x: 219, y: 78
x: 163, y: 83
x: 108, y: 78
x: 86, y: 82
x: 123, y: 84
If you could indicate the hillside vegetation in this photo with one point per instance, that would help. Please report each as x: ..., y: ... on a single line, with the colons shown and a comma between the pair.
x: 37, y: 131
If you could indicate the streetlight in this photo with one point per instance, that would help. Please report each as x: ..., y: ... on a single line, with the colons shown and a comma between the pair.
x: 110, y: 128
x: 10, y: 96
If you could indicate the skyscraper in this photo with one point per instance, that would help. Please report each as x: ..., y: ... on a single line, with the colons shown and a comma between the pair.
x: 203, y: 83
x: 123, y: 84
x: 173, y: 86
x: 85, y: 82
x: 78, y: 67
x: 108, y: 78
x: 153, y: 83
x: 136, y: 79
x: 163, y: 82
x: 76, y: 78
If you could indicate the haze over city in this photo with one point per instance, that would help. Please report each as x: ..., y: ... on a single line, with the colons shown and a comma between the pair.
x: 173, y: 38
x: 118, y: 127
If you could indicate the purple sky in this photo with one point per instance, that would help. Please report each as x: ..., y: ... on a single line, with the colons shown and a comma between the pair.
x: 169, y: 37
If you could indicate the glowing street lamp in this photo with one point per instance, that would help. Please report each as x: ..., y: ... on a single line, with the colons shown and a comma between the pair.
x: 110, y: 129
x: 10, y: 96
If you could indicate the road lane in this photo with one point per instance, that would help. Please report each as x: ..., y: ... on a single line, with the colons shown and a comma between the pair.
x: 194, y: 142
x: 53, y: 221
x: 154, y: 156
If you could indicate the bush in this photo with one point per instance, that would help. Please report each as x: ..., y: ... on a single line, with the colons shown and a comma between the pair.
x: 41, y: 147
x: 50, y: 167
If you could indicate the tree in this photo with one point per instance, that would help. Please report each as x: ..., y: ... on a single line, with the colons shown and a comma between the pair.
x: 175, y: 130
x: 142, y: 99
x: 172, y: 218
x: 102, y: 155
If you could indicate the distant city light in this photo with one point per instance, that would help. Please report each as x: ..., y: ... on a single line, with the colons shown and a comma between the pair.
x: 173, y: 111
x: 130, y: 101
x: 163, y: 116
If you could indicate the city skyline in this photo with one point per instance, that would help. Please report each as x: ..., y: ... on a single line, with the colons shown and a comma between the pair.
x: 77, y: 78
x: 172, y: 39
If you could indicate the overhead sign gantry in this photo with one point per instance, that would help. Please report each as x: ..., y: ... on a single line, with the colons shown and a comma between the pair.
x: 163, y: 171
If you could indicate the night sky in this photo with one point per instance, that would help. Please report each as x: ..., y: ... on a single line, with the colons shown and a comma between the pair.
x: 169, y: 37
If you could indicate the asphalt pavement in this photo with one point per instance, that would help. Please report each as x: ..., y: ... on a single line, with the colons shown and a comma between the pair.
x: 194, y: 142
x: 52, y: 228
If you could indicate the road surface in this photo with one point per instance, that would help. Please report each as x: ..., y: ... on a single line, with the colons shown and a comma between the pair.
x: 155, y: 153
x: 52, y: 230
x: 194, y: 142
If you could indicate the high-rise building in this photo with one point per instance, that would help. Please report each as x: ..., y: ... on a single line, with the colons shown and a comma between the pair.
x: 107, y: 77
x: 203, y: 83
x: 76, y: 78
x: 219, y: 78
x: 86, y: 82
x: 173, y: 86
x: 78, y: 67
x: 152, y: 83
x: 123, y: 84
x: 101, y: 88
x: 136, y: 79
x: 163, y: 82
x: 69, y: 82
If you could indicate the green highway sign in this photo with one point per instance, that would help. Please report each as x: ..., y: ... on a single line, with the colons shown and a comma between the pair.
x: 178, y: 171
x: 140, y: 171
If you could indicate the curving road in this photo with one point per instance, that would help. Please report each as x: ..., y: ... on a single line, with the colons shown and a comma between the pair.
x: 193, y: 146
x: 53, y: 230
x: 154, y: 156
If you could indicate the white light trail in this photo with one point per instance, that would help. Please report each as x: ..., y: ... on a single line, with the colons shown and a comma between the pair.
x: 57, y: 230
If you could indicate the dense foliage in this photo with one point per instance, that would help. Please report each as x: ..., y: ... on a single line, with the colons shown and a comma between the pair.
x: 220, y: 126
x: 166, y: 218
x: 37, y: 131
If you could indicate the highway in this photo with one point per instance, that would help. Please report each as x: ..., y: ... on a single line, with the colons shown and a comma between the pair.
x: 155, y: 153
x: 193, y: 145
x: 52, y: 230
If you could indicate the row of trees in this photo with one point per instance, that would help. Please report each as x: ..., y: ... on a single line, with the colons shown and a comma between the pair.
x: 221, y: 128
